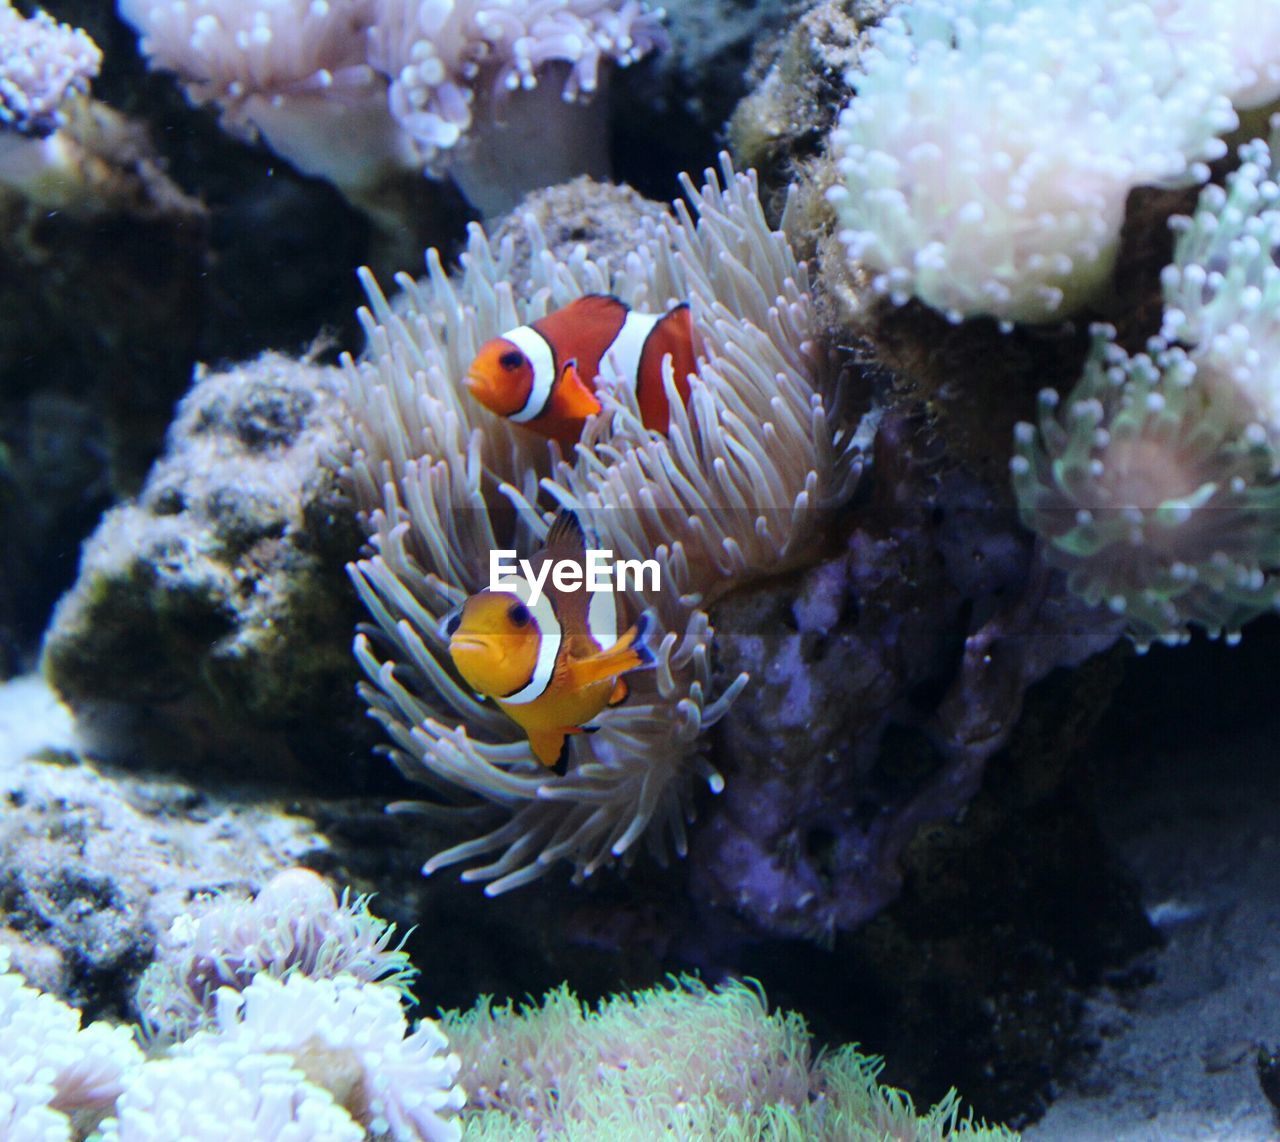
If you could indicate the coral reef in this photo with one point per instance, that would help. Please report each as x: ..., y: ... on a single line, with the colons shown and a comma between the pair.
x: 683, y: 1060
x: 96, y: 864
x: 294, y: 925
x: 1154, y: 483
x: 307, y: 1056
x: 733, y: 492
x: 356, y: 90
x: 193, y: 601
x: 985, y: 161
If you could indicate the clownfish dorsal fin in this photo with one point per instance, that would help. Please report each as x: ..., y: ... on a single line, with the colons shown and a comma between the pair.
x: 566, y: 531
x: 575, y: 400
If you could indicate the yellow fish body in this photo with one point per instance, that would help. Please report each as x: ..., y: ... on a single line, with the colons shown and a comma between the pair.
x: 552, y: 662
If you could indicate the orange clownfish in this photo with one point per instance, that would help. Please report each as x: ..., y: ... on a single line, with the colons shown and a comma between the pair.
x: 551, y: 659
x: 543, y: 375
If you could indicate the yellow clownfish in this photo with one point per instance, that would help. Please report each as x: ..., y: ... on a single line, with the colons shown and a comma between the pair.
x: 543, y: 375
x: 552, y: 660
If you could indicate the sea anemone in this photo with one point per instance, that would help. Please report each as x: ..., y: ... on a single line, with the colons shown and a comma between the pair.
x: 291, y: 71
x: 354, y: 90
x: 51, y: 1067
x: 501, y: 94
x: 735, y: 490
x: 986, y: 157
x: 294, y: 925
x: 349, y: 1037
x: 1157, y: 487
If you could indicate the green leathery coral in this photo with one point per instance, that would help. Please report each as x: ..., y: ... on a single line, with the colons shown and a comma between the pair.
x: 1156, y: 485
x: 1156, y: 503
x: 684, y: 1061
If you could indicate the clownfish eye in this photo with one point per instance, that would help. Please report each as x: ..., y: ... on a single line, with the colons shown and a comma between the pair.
x: 512, y: 359
x: 452, y: 623
x: 519, y: 614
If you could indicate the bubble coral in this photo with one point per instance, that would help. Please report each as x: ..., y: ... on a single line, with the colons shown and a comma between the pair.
x: 734, y: 490
x: 984, y: 162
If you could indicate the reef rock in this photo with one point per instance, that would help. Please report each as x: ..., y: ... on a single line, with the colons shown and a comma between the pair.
x: 211, y: 618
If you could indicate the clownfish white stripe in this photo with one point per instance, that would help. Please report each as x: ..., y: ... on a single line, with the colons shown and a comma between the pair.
x: 536, y: 347
x: 622, y: 358
x: 602, y: 619
x: 549, y: 640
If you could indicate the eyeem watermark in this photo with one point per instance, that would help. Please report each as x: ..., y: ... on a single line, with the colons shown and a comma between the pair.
x: 598, y: 573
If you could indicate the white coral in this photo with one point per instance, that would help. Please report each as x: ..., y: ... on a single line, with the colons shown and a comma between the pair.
x: 218, y: 1095
x: 49, y: 1066
x: 987, y: 155
x: 349, y: 1037
x: 353, y: 89
x: 293, y: 71
x: 43, y: 62
x: 440, y: 54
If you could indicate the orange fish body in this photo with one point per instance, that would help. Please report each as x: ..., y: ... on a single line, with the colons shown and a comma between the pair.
x: 553, y: 663
x: 543, y: 375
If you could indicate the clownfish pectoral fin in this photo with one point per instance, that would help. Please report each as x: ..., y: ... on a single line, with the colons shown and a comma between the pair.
x: 620, y: 692
x: 575, y: 400
x: 628, y: 653
x: 551, y: 748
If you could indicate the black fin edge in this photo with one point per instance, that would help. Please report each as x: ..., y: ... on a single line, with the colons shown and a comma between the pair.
x: 562, y: 762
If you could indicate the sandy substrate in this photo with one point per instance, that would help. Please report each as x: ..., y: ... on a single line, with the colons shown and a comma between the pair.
x: 1177, y: 1058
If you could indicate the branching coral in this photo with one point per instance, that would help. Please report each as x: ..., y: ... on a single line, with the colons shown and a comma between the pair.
x: 1156, y: 487
x: 354, y: 89
x: 295, y: 925
x: 985, y: 160
x: 732, y: 491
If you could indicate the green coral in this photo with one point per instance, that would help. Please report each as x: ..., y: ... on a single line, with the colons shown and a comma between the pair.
x: 683, y: 1062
